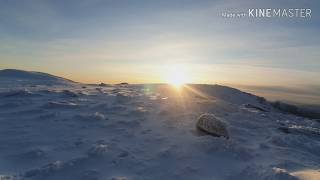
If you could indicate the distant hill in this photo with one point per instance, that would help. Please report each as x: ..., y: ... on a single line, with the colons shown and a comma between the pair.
x: 30, y: 77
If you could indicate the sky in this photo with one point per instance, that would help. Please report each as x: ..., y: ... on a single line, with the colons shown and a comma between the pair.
x: 148, y: 41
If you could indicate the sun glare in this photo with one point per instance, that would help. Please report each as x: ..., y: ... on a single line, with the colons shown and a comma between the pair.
x: 177, y: 76
x: 176, y: 79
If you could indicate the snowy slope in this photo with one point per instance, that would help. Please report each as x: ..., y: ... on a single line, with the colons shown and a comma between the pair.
x: 144, y: 132
x: 13, y: 77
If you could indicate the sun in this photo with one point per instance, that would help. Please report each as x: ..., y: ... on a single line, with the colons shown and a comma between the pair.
x: 177, y: 79
x: 177, y: 76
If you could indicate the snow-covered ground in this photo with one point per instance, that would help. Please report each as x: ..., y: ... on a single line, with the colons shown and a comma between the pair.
x: 55, y: 129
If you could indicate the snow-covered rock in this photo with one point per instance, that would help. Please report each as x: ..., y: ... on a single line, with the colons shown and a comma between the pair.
x: 98, y: 150
x: 209, y: 123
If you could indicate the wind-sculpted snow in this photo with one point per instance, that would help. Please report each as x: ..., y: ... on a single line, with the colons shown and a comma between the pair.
x: 147, y: 132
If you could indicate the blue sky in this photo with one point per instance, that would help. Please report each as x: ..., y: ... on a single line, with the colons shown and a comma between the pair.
x: 137, y: 40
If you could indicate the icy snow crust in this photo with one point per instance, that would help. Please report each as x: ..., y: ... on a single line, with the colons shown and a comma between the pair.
x: 146, y: 132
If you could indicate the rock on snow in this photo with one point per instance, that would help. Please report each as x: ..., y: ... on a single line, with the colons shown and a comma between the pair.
x: 212, y: 125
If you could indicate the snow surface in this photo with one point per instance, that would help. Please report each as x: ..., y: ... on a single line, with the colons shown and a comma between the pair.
x: 61, y: 130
